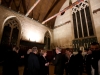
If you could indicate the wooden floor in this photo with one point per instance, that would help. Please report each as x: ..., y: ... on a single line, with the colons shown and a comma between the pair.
x: 21, y: 68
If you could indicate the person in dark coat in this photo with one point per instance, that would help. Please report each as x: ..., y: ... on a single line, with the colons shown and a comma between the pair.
x: 58, y: 62
x: 44, y: 63
x: 95, y: 57
x: 66, y: 61
x: 79, y: 62
x: 72, y: 64
x: 10, y: 65
x: 26, y: 61
x: 88, y: 57
x: 33, y: 62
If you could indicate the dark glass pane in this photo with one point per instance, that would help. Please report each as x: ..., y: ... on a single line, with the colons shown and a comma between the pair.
x: 48, y: 43
x: 79, y: 24
x: 6, y: 35
x: 84, y: 23
x: 14, y: 37
x: 74, y: 25
x: 45, y: 40
x: 89, y: 21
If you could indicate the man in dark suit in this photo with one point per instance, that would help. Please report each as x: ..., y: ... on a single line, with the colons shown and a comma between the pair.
x: 58, y: 62
x: 33, y: 62
x: 79, y: 62
x: 95, y: 57
x: 66, y: 61
x: 10, y: 65
x: 88, y: 61
x: 72, y: 64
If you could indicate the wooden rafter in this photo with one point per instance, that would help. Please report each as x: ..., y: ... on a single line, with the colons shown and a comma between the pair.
x: 0, y: 1
x: 24, y: 6
x: 32, y: 7
x: 27, y: 5
x: 7, y: 3
x: 59, y: 13
x: 17, y: 7
x: 51, y: 9
x: 20, y: 5
x: 10, y: 3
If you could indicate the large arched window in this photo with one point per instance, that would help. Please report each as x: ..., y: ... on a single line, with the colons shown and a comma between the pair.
x: 47, y: 40
x: 10, y: 32
x: 82, y: 22
x: 83, y: 26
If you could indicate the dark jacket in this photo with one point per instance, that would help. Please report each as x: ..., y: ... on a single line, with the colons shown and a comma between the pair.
x: 33, y: 64
x: 59, y: 64
x: 25, y: 72
x: 10, y: 65
x: 72, y: 66
x: 44, y: 69
x: 94, y: 61
x: 88, y: 64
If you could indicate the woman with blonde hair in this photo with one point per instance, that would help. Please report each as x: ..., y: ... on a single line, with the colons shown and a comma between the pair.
x: 44, y: 64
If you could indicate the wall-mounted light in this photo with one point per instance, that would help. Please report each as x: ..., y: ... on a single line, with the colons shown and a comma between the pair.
x: 33, y: 36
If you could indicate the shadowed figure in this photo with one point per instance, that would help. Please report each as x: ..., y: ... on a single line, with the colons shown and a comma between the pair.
x: 10, y: 65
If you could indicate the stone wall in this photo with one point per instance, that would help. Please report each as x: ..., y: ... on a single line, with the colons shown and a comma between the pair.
x: 95, y: 8
x: 31, y: 30
x: 63, y: 32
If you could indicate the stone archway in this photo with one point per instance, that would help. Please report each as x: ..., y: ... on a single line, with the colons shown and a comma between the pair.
x: 11, y: 32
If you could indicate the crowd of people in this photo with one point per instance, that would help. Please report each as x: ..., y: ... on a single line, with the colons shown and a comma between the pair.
x: 36, y: 63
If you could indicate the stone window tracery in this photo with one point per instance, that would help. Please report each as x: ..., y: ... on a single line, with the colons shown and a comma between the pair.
x: 10, y: 32
x: 47, y: 40
x: 82, y: 22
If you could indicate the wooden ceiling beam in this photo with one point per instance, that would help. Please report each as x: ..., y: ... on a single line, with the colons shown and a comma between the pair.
x: 17, y: 7
x: 59, y: 13
x: 24, y: 6
x: 7, y: 3
x: 50, y: 10
x: 0, y: 1
x: 32, y: 8
x: 10, y: 3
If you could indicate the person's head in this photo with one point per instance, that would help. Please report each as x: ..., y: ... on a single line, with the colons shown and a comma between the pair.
x: 35, y: 50
x: 89, y: 52
x: 44, y: 53
x: 40, y: 52
x: 79, y: 52
x: 29, y: 51
x: 94, y: 46
x: 16, y: 49
x: 58, y: 50
x: 69, y: 52
x: 66, y: 50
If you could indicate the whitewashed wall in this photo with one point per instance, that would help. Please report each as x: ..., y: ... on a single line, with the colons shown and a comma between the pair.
x: 94, y: 5
x: 29, y: 28
x: 63, y: 35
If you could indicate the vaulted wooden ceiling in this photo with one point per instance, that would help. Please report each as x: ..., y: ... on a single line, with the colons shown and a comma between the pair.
x: 43, y: 10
